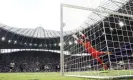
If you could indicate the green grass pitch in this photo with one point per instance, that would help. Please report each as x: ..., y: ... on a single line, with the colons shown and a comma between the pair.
x: 52, y: 76
x: 35, y: 76
x: 104, y: 73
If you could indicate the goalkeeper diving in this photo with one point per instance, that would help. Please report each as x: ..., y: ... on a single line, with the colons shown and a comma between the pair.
x: 89, y: 48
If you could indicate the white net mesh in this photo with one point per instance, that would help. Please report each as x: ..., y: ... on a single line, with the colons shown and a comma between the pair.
x: 102, y: 49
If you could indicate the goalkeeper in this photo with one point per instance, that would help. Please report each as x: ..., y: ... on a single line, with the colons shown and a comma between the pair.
x: 94, y: 53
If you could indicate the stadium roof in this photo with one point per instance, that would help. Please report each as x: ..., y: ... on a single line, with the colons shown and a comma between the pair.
x: 38, y: 32
x: 93, y: 18
x: 108, y: 5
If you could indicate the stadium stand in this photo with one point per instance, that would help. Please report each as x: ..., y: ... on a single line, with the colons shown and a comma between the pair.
x: 34, y: 61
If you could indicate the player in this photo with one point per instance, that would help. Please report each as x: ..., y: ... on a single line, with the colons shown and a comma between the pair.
x: 12, y: 65
x: 94, y: 53
x: 21, y: 67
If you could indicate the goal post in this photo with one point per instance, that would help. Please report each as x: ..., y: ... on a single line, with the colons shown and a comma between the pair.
x: 61, y: 41
x: 101, y: 48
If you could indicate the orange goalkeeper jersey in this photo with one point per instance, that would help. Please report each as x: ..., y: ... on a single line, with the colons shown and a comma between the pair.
x: 90, y: 49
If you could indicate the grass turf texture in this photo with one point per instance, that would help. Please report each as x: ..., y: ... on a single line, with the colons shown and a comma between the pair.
x: 104, y: 73
x: 35, y: 76
x: 54, y: 76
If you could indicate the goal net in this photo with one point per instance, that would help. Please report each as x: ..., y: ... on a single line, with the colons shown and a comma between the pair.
x: 102, y: 46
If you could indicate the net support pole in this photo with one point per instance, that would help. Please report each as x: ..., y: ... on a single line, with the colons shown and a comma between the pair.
x: 106, y: 44
x: 61, y: 41
x: 96, y: 10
